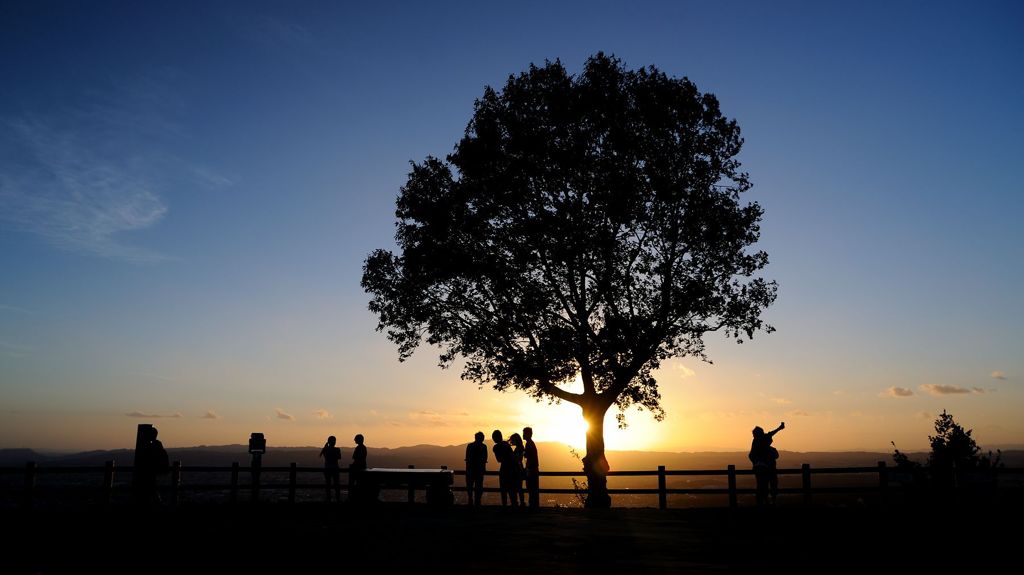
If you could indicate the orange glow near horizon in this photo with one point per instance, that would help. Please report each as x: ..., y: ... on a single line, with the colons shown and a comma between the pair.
x: 563, y: 422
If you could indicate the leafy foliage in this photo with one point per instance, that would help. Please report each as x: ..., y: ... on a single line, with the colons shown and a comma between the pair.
x: 953, y: 449
x: 586, y: 225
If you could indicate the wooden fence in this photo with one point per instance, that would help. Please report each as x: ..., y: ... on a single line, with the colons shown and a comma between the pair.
x: 882, y: 484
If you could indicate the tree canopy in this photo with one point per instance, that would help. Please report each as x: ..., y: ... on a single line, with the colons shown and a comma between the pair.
x: 953, y: 450
x: 588, y: 225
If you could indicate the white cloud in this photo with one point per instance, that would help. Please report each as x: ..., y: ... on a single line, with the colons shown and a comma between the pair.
x: 322, y: 414
x: 282, y: 415
x: 998, y: 375
x: 210, y: 414
x: 897, y: 392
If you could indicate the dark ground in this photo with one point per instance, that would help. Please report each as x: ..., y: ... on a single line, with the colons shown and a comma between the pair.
x: 312, y: 537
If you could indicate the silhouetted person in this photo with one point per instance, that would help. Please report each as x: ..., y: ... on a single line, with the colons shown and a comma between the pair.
x: 356, y: 468
x: 518, y: 452
x: 476, y: 467
x: 507, y: 472
x: 150, y: 461
x: 764, y: 456
x: 532, y: 468
x: 332, y: 470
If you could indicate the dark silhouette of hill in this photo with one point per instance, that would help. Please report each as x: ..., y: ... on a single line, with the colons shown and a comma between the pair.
x: 553, y: 457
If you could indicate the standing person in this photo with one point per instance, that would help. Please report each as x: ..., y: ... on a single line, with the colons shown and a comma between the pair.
x: 506, y: 469
x: 332, y: 471
x: 532, y: 468
x: 518, y: 452
x: 764, y: 456
x: 476, y: 468
x: 356, y: 468
x: 150, y: 460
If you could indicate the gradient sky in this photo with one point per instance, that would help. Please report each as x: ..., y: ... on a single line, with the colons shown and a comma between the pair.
x: 188, y: 190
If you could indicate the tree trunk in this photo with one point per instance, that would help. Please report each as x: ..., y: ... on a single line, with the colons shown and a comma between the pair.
x: 595, y: 465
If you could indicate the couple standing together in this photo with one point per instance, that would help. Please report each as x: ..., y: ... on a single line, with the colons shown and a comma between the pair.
x: 517, y: 461
x: 332, y: 470
x: 764, y: 458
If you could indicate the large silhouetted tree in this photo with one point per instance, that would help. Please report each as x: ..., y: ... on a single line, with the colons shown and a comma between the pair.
x: 585, y: 225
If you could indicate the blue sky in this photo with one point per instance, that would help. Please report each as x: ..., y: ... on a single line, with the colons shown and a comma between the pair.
x: 188, y: 190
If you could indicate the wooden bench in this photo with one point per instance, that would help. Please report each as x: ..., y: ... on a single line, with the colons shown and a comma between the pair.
x: 437, y: 482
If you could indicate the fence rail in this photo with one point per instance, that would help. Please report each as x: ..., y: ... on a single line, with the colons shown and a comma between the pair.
x: 109, y: 472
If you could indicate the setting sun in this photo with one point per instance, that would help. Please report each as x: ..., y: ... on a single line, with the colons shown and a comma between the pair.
x: 564, y: 423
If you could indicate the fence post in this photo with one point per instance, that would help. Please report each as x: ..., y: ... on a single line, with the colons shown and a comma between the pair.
x: 412, y: 488
x: 805, y: 474
x: 883, y: 482
x: 292, y: 476
x: 175, y: 482
x: 732, y: 487
x: 233, y: 497
x: 108, y: 482
x: 254, y: 492
x: 662, y: 495
x: 30, y: 482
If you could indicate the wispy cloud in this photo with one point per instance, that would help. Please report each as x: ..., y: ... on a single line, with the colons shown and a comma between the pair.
x: 210, y: 414
x: 276, y: 31
x: 897, y: 392
x: 429, y: 419
x: 925, y: 415
x: 683, y: 371
x: 175, y: 415
x: 211, y: 179
x: 155, y: 376
x: 937, y: 389
x: 14, y: 349
x: 322, y: 414
x: 282, y: 415
x: 998, y: 375
x: 780, y: 400
x: 67, y: 192
x: 90, y: 177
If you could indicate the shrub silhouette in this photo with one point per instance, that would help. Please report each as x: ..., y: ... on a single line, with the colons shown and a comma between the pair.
x: 953, y: 453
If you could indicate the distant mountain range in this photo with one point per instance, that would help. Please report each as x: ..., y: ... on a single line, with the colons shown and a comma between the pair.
x: 553, y: 457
